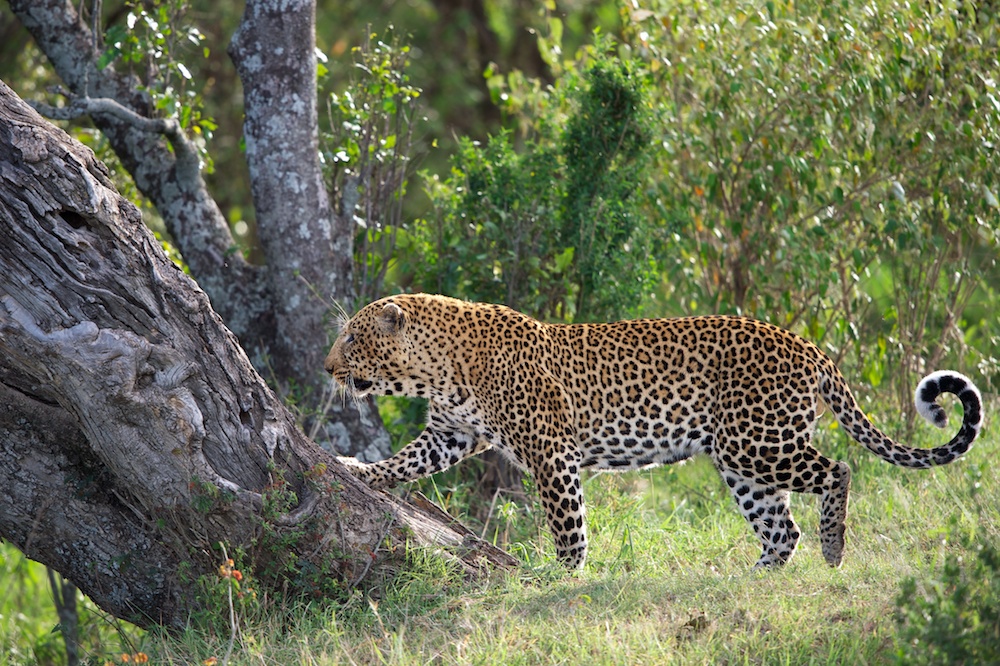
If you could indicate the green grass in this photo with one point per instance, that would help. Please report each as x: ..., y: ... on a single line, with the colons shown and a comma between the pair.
x: 24, y: 600
x: 668, y: 581
x: 29, y: 626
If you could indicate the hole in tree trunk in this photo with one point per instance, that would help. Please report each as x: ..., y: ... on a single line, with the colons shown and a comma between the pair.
x: 73, y: 219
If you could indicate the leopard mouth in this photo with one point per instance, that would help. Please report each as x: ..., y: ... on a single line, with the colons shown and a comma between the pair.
x: 360, y: 385
x: 353, y: 386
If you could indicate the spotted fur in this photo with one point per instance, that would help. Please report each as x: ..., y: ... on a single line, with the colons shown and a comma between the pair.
x: 557, y: 399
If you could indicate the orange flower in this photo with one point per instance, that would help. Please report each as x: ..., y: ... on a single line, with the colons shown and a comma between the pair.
x: 237, y: 574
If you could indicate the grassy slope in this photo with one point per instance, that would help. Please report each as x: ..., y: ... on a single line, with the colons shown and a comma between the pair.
x: 668, y: 581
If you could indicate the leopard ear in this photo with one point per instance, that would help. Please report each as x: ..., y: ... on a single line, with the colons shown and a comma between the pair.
x: 391, y: 319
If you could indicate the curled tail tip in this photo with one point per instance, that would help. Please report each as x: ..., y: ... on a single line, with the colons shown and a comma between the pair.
x: 949, y: 381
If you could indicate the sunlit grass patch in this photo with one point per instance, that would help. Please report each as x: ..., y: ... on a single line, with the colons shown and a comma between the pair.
x: 668, y: 581
x: 29, y: 626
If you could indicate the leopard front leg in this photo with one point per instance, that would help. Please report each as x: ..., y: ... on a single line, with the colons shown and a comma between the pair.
x: 435, y: 449
x: 558, y: 481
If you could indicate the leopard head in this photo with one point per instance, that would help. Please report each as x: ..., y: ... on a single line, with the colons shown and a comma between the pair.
x: 372, y: 352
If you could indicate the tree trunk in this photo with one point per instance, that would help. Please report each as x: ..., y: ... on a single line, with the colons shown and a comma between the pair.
x: 274, y: 53
x: 278, y: 311
x: 309, y: 249
x: 134, y: 433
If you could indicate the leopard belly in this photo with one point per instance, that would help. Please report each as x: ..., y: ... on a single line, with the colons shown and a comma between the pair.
x: 633, y: 440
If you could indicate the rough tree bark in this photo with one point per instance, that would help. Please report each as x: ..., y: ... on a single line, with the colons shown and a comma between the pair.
x: 134, y: 432
x: 174, y: 186
x: 278, y: 311
x: 308, y: 248
x: 274, y: 53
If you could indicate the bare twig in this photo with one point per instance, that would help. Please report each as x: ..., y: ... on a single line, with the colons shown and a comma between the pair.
x: 489, y: 514
x: 79, y: 106
x: 232, y: 611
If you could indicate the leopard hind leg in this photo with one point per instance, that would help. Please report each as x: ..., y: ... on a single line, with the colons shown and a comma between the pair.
x: 833, y: 510
x: 806, y: 470
x: 768, y: 511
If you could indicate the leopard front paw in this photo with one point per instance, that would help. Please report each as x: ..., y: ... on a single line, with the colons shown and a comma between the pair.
x: 368, y: 473
x: 357, y: 468
x: 351, y: 463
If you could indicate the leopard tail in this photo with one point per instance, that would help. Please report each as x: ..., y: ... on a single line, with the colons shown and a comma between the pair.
x: 857, y: 425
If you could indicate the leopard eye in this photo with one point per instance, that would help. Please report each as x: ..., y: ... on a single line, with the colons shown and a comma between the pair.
x: 349, y: 339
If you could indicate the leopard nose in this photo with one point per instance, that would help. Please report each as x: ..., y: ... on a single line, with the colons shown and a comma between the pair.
x: 361, y: 384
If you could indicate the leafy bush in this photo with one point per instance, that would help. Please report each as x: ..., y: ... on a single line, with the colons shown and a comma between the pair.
x: 832, y: 167
x: 367, y: 151
x: 955, y: 617
x: 552, y: 225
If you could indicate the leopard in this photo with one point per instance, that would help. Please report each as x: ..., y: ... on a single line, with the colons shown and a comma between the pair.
x: 558, y: 399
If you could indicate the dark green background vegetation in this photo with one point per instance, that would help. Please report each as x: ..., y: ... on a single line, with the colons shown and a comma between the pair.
x: 828, y: 166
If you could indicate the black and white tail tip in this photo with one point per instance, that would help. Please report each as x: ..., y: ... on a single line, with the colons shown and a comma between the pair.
x: 948, y: 381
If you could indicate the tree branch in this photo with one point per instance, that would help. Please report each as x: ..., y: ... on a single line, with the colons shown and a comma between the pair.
x: 184, y: 150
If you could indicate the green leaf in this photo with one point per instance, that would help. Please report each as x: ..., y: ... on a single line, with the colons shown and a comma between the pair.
x: 109, y: 55
x: 563, y: 260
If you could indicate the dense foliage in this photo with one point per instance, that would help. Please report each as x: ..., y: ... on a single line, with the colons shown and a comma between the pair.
x: 954, y: 616
x: 551, y: 226
x: 831, y: 166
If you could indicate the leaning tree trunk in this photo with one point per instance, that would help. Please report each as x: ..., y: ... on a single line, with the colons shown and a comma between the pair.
x: 278, y: 311
x: 135, y: 435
